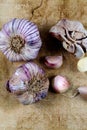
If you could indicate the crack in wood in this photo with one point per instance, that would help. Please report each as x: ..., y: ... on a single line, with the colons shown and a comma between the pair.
x: 36, y: 8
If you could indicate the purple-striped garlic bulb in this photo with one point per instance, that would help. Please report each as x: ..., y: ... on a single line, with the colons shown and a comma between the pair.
x: 73, y: 36
x: 20, y: 40
x: 29, y: 83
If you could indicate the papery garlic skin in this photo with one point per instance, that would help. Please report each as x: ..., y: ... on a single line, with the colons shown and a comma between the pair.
x: 53, y: 61
x: 29, y: 83
x: 20, y: 40
x: 73, y: 36
x: 60, y: 84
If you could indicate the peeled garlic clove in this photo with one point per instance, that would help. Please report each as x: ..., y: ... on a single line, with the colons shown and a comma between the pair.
x: 82, y: 91
x: 54, y: 61
x: 82, y: 64
x: 60, y: 84
x: 79, y: 53
x: 29, y: 83
x: 20, y: 40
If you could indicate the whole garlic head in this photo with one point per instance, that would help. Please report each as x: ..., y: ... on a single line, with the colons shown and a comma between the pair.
x: 20, y: 40
x: 29, y: 83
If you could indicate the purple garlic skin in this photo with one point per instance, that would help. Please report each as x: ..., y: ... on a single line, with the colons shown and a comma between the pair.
x: 53, y: 62
x: 20, y: 40
x: 29, y: 83
x: 73, y: 36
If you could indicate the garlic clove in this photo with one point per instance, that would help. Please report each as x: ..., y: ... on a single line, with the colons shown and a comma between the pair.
x: 29, y: 83
x: 53, y: 61
x: 82, y: 91
x: 60, y: 84
x: 69, y: 48
x: 82, y: 64
x: 84, y: 43
x: 79, y: 53
x: 57, y: 31
x: 20, y: 40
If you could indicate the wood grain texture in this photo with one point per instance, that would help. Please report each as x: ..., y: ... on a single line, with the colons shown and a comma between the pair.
x: 55, y: 112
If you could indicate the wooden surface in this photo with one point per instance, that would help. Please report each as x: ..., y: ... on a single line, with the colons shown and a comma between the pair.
x: 55, y: 112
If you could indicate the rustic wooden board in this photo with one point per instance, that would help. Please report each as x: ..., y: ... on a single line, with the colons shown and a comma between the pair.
x: 55, y: 112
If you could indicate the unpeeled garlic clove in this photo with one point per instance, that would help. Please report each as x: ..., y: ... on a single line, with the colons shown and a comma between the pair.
x: 69, y: 48
x: 60, y: 84
x: 82, y: 64
x: 82, y: 91
x: 53, y: 61
x: 84, y: 43
x: 79, y: 51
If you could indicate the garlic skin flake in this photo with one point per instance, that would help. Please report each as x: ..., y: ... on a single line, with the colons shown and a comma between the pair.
x: 60, y: 84
x: 53, y: 61
x: 29, y: 83
x: 20, y: 40
x: 73, y: 36
x: 82, y: 64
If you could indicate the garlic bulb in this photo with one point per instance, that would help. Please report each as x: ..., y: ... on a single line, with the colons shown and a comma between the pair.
x: 29, y: 83
x: 60, y: 84
x: 20, y: 40
x: 54, y: 61
x: 73, y: 36
x: 82, y: 91
x: 82, y: 64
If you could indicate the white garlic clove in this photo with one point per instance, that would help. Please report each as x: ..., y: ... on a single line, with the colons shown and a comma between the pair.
x: 53, y: 61
x: 79, y: 53
x: 60, y: 84
x: 82, y: 64
x: 69, y: 48
x: 29, y: 83
x: 20, y: 40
